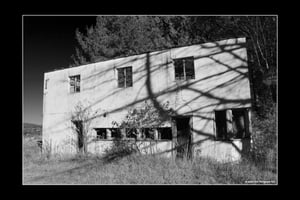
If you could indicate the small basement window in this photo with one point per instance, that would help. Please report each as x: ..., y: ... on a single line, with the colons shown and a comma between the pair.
x: 74, y: 84
x: 101, y: 133
x: 108, y: 133
x: 165, y: 133
x: 125, y: 77
x: 115, y: 133
x: 184, y: 68
x: 131, y: 133
x: 149, y: 133
x: 142, y: 133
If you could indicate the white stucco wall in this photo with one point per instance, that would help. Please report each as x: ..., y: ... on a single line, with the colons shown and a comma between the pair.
x: 221, y: 82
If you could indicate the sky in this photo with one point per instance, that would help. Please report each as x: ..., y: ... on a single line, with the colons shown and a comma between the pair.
x: 48, y: 43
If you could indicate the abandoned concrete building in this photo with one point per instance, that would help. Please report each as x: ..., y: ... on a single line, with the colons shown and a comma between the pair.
x: 207, y: 86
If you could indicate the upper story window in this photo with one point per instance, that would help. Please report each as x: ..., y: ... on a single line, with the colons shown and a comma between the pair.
x: 125, y: 77
x: 74, y: 84
x: 184, y: 68
x: 46, y: 83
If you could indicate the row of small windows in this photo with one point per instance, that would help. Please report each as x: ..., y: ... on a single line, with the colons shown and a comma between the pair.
x: 184, y: 70
x: 141, y: 133
x: 230, y: 124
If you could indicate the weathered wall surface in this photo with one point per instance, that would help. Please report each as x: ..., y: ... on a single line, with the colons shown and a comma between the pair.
x: 221, y: 82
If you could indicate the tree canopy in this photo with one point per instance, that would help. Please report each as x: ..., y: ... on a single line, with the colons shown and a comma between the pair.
x: 117, y: 36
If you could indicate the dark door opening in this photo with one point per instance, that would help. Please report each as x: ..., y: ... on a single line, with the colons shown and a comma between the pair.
x: 79, y: 131
x: 221, y: 124
x: 183, y: 129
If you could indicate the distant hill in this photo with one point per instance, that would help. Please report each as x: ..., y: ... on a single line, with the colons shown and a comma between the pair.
x: 30, y: 125
x: 32, y: 129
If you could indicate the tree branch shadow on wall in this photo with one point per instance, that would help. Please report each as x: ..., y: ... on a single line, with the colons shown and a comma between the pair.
x: 188, y: 86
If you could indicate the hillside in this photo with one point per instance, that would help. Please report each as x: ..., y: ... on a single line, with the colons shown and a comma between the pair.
x: 32, y: 129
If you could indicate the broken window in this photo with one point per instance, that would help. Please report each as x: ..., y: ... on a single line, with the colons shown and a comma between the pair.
x: 75, y: 84
x: 184, y: 68
x: 232, y: 124
x: 107, y: 133
x: 101, y: 133
x: 131, y: 133
x: 149, y: 133
x: 239, y: 123
x: 125, y: 77
x: 165, y: 133
x: 115, y: 132
x: 142, y: 133
x: 156, y: 133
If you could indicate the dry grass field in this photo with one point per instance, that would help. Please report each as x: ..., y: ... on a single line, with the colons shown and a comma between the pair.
x: 136, y: 169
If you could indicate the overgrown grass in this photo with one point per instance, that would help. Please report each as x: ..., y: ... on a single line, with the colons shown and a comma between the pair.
x: 264, y: 137
x: 123, y: 165
x: 136, y: 169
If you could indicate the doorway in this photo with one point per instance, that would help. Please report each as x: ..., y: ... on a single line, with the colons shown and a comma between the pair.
x: 183, y: 139
x: 79, y: 131
x: 221, y: 124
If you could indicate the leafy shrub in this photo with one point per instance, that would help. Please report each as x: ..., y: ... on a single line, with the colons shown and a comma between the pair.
x: 119, y: 149
x: 146, y: 116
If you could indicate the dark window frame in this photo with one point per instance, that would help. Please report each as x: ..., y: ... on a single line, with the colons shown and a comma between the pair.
x: 101, y: 133
x: 74, y: 83
x: 115, y: 133
x: 181, y: 71
x: 132, y: 134
x: 149, y: 134
x: 231, y: 132
x: 168, y: 135
x: 239, y: 128
x: 46, y: 83
x: 127, y: 76
x: 220, y: 124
